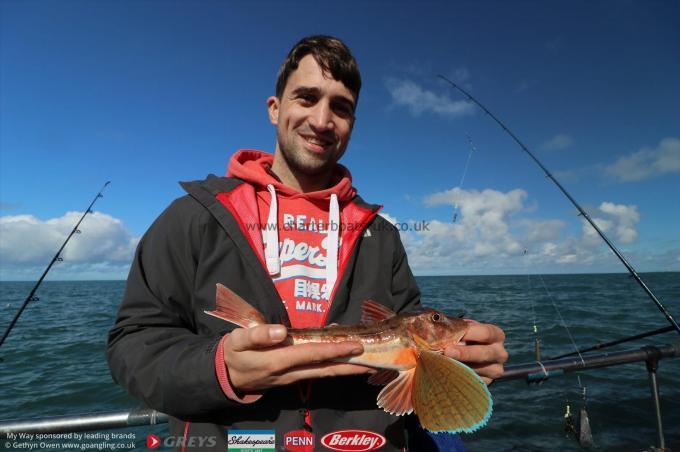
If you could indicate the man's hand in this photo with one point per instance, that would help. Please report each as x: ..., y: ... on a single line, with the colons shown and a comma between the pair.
x: 483, y: 350
x: 257, y: 360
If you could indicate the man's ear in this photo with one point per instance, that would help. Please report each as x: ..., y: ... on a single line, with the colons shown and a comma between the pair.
x: 273, y: 109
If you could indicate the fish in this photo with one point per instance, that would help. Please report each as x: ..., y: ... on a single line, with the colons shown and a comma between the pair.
x: 408, y: 350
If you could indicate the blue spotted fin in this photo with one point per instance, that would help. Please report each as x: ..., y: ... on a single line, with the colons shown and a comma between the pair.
x: 448, y: 396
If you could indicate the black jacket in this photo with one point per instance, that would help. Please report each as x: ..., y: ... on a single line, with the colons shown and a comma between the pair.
x: 162, y: 346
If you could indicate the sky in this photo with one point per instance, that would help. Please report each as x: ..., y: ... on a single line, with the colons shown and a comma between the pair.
x: 147, y: 93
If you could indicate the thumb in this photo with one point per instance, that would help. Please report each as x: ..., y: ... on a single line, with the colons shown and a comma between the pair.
x: 260, y: 336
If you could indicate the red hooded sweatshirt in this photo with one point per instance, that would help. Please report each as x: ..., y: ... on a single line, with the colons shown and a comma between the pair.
x: 301, y: 233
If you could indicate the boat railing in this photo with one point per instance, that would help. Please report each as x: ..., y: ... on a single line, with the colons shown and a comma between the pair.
x: 533, y: 372
x: 84, y: 422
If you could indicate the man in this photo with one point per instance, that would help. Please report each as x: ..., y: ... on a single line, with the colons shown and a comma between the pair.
x: 289, y: 234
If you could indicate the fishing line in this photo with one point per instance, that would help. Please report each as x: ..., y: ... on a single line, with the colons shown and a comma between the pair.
x: 57, y: 258
x: 537, y: 339
x: 582, y: 212
x: 564, y: 324
x: 462, y: 178
x: 581, y: 431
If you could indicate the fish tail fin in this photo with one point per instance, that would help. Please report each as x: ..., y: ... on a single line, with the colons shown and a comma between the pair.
x: 234, y: 309
x: 448, y: 396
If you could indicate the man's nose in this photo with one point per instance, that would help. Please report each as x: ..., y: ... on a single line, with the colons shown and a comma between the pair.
x: 322, y: 117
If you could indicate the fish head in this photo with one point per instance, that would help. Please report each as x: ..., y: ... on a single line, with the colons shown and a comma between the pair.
x: 435, y: 330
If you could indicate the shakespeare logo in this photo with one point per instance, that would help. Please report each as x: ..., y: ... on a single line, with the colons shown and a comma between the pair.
x: 251, y: 441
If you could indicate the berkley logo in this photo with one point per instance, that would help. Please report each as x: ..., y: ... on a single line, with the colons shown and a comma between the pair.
x: 353, y: 440
x: 299, y: 441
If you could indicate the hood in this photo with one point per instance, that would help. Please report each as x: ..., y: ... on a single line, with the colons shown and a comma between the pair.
x: 254, y: 167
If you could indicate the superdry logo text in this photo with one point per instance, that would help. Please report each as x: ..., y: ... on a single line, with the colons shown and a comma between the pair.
x: 353, y: 440
x: 251, y: 441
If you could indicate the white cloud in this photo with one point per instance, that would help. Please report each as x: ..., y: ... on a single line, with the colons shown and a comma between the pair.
x: 388, y: 217
x: 481, y: 234
x: 418, y: 100
x: 28, y: 243
x: 626, y: 217
x: 558, y: 142
x: 568, y: 259
x: 493, y: 234
x: 538, y: 231
x: 647, y: 162
x: 590, y: 236
x: 620, y: 219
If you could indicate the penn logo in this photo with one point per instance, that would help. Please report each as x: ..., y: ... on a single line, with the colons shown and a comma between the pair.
x: 353, y: 440
x: 299, y: 441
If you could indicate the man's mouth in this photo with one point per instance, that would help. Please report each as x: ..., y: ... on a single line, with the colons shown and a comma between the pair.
x: 317, y: 143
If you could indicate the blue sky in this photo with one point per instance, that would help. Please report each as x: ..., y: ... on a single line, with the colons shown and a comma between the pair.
x: 149, y: 93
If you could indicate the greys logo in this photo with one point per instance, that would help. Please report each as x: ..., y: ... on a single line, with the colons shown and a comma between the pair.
x: 153, y: 441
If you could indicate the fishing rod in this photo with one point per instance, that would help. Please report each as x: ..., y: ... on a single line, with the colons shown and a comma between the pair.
x: 582, y: 212
x: 600, y: 346
x: 56, y: 258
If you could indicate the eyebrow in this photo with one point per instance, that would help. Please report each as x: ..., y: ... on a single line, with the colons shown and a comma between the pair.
x: 316, y: 91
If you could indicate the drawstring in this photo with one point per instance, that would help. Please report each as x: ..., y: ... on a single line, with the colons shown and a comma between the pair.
x: 271, y: 250
x: 332, y: 244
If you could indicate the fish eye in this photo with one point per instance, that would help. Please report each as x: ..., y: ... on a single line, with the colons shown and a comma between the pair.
x: 435, y: 317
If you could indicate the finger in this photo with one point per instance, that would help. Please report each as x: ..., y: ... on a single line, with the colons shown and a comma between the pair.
x: 260, y: 336
x: 491, y: 354
x: 306, y: 354
x: 484, y: 333
x: 489, y: 371
x: 323, y: 371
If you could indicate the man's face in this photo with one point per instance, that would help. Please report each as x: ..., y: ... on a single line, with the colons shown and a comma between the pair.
x: 314, y: 119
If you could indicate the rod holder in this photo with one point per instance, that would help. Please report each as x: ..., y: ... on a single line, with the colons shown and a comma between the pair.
x: 652, y: 363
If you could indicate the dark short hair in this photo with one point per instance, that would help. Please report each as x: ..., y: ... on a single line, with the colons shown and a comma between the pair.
x: 331, y: 54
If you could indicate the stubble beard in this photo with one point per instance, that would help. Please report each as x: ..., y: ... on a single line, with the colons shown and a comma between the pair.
x: 302, y: 161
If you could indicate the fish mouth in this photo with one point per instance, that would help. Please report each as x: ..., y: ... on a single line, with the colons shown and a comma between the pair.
x: 458, y: 337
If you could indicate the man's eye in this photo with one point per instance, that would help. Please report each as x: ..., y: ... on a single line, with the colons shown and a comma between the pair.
x: 307, y: 98
x: 343, y: 110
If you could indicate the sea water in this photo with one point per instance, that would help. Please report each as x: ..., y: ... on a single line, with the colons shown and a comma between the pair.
x: 54, y: 362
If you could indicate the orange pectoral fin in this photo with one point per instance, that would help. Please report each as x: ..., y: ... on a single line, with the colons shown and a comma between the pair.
x: 396, y: 397
x: 448, y: 396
